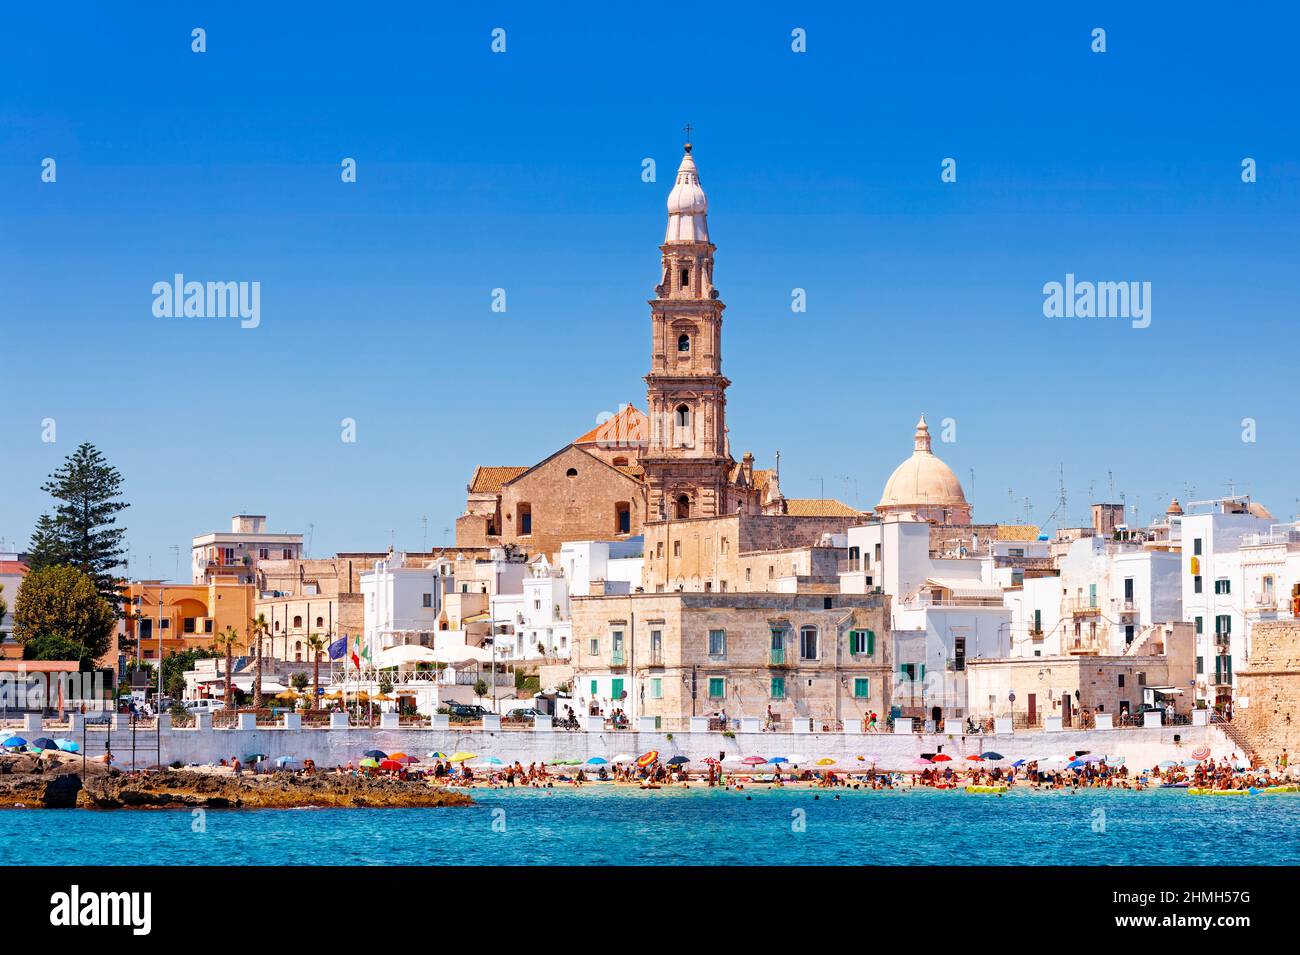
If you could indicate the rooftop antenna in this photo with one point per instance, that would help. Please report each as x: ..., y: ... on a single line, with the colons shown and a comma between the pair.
x: 311, y: 529
x: 424, y: 521
x: 1110, y: 482
x: 176, y: 552
x: 823, y: 488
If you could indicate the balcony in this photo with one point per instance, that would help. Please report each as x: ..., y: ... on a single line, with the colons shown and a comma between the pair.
x: 1223, y: 640
x: 776, y: 657
x: 852, y: 565
x: 956, y: 666
x: 1036, y: 633
x: 617, y: 658
x: 1221, y: 678
x: 656, y: 658
x: 1083, y: 608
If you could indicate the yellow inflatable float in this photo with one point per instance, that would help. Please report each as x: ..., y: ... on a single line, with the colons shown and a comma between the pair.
x: 986, y: 789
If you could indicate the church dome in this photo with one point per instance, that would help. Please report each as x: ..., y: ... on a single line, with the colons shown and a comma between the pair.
x: 687, y: 206
x: 923, y: 484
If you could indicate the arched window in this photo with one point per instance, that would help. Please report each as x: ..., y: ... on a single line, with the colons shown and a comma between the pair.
x: 572, y: 472
x: 320, y: 621
x: 524, y: 522
x: 297, y: 623
x: 808, y: 643
x: 683, y: 506
x: 683, y: 416
x: 683, y: 342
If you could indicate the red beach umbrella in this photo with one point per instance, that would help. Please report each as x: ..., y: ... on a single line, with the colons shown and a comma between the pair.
x: 974, y: 758
x: 647, y: 758
x: 1201, y: 753
x: 941, y: 758
x: 710, y: 760
x: 390, y: 764
x: 753, y: 760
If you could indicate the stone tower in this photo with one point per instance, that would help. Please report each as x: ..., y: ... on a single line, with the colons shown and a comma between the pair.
x: 687, y: 461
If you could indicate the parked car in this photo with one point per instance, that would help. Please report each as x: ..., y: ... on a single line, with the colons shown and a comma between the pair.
x: 522, y: 713
x: 467, y: 711
x: 204, y: 706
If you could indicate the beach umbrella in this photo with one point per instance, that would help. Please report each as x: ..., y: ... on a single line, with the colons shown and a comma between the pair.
x: 406, y: 760
x: 14, y: 742
x: 391, y: 765
x: 287, y: 695
x: 921, y: 761
x: 990, y: 755
x: 1076, y: 764
x: 396, y: 755
x: 1115, y: 760
x: 43, y: 742
x: 597, y: 761
x: 461, y: 756
x: 369, y: 763
x: 825, y: 761
x: 375, y: 754
x: 496, y: 761
x: 1201, y: 753
x: 778, y: 760
x: 710, y: 761
x: 1168, y: 764
x: 435, y: 755
x: 646, y: 759
x: 1018, y: 763
x: 975, y: 758
x: 754, y: 760
x: 256, y: 758
x: 678, y: 760
x: 941, y: 758
x: 284, y: 760
x: 624, y: 758
x: 67, y: 745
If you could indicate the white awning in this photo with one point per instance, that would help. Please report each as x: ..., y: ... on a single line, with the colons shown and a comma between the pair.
x: 405, y: 653
x: 966, y: 587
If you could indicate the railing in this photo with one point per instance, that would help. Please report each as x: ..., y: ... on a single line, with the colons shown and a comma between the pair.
x: 617, y: 658
x: 776, y: 657
x: 1081, y: 607
x: 656, y: 658
x: 852, y: 565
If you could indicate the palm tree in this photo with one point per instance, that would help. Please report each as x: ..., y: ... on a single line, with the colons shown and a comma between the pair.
x: 225, y: 641
x: 315, y: 643
x: 259, y: 628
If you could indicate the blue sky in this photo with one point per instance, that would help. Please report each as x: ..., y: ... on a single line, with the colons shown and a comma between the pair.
x: 522, y: 171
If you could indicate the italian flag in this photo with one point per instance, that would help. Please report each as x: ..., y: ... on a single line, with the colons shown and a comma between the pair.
x: 363, y: 651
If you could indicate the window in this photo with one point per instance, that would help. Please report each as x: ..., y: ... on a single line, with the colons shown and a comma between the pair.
x: 683, y: 342
x: 1200, y: 626
x: 717, y: 687
x: 207, y: 625
x: 683, y: 512
x: 595, y: 646
x: 1200, y: 665
x: 778, y: 688
x: 297, y: 623
x: 426, y: 600
x: 1223, y: 624
x: 1128, y: 589
x: 525, y: 520
x: 622, y: 518
x: 189, y: 625
x: 911, y: 672
x: 227, y: 555
x: 1128, y: 634
x: 288, y: 553
x: 1142, y: 679
x: 263, y: 553
x: 1196, y: 584
x: 862, y: 642
x: 320, y: 621
x: 1196, y: 547
x: 683, y: 416
x: 1121, y: 681
x: 686, y: 278
x: 808, y: 643
x: 861, y: 688
x: 677, y: 548
x: 959, y: 653
x: 571, y: 473
x: 1038, y: 621
x: 717, y: 643
x: 594, y: 686
x: 656, y: 688
x: 1223, y: 586
x: 656, y: 647
x: 747, y: 575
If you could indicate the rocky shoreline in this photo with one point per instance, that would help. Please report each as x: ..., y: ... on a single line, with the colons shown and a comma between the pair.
x: 62, y: 787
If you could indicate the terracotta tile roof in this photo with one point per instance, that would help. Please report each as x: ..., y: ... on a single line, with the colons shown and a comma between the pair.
x: 12, y: 567
x: 630, y: 428
x: 488, y: 480
x: 1017, y: 532
x: 631, y: 470
x: 819, y: 507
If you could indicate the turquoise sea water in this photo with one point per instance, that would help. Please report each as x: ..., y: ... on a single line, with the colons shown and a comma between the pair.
x: 686, y: 827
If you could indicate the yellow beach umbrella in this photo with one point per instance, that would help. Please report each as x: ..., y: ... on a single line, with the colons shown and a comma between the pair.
x: 461, y: 756
x: 825, y: 761
x: 287, y: 695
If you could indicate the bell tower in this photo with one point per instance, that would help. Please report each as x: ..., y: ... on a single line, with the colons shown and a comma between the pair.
x: 688, y: 460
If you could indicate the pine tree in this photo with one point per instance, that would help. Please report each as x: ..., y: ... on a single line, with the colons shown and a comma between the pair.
x: 83, y: 531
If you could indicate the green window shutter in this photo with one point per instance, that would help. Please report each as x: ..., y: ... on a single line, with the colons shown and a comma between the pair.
x: 778, y: 688
x: 861, y: 688
x: 1200, y: 626
x: 656, y: 688
x: 593, y: 687
x: 1200, y: 664
x: 922, y: 671
x: 716, y: 687
x: 616, y: 689
x: 871, y: 643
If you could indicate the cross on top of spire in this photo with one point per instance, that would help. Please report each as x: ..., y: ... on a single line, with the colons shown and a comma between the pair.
x: 687, y: 130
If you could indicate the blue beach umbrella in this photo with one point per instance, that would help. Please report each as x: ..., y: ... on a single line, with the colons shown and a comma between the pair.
x: 1168, y: 764
x: 778, y: 760
x: 282, y: 760
x: 992, y: 755
x: 1018, y: 763
x: 14, y: 742
x: 1076, y: 764
x: 67, y: 745
x: 375, y: 754
x: 597, y: 761
x: 43, y: 742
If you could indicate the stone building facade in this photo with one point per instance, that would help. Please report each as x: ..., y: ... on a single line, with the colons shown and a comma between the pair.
x: 1267, y: 713
x: 739, y: 552
x: 679, y: 655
